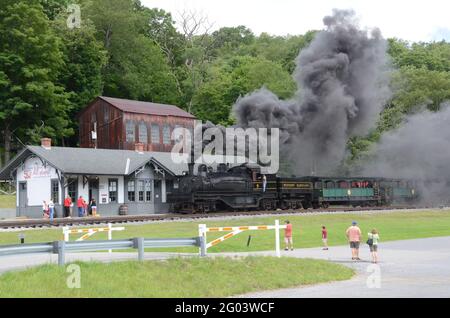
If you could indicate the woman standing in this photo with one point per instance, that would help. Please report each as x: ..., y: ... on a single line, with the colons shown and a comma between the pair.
x: 93, y: 205
x: 373, y: 238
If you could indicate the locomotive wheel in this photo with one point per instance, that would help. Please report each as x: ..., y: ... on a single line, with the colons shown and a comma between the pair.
x: 306, y: 205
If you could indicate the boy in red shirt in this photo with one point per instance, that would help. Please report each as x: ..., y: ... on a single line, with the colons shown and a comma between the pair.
x: 325, y: 238
x: 288, y: 236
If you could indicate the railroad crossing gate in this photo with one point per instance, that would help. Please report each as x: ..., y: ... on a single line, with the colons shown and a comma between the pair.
x: 235, y: 230
x: 89, y: 232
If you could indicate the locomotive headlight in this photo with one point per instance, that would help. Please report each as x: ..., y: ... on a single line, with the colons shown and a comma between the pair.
x: 349, y: 192
x: 413, y: 191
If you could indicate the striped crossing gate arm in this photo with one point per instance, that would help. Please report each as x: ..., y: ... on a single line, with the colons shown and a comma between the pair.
x: 222, y: 238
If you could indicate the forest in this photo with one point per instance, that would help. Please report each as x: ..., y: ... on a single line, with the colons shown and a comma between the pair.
x: 49, y: 71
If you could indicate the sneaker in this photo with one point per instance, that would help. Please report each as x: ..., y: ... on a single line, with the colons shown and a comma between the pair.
x: 286, y: 249
x: 292, y: 249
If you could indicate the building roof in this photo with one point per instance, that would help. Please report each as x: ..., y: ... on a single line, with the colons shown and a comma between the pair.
x: 90, y: 161
x: 134, y: 106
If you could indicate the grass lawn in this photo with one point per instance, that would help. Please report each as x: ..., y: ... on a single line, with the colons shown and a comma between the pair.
x: 7, y: 201
x: 193, y: 277
x: 306, y: 230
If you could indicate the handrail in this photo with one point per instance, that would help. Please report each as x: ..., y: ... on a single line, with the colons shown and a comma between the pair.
x: 61, y: 247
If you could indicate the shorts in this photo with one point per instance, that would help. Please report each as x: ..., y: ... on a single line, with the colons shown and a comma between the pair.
x: 354, y: 245
x: 288, y: 240
x: 373, y: 248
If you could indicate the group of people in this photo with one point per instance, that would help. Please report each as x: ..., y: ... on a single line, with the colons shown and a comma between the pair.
x: 354, y: 237
x: 83, y: 208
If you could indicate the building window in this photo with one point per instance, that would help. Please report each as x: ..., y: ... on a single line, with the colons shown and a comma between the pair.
x: 141, y: 189
x: 148, y: 190
x: 143, y: 133
x: 72, y: 189
x: 155, y: 134
x: 112, y: 189
x: 55, y: 191
x: 131, y: 191
x: 166, y: 134
x: 130, y: 131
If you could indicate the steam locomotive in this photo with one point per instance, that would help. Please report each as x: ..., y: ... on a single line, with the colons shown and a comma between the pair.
x: 244, y: 187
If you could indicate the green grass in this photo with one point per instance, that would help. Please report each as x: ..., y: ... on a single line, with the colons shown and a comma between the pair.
x: 7, y: 201
x: 306, y: 230
x: 193, y: 277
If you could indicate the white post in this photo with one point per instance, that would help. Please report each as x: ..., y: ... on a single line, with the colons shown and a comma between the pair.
x: 66, y: 233
x: 109, y: 235
x: 277, y: 238
x: 202, y: 234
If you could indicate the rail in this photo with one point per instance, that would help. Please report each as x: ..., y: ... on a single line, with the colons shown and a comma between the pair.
x: 62, y: 247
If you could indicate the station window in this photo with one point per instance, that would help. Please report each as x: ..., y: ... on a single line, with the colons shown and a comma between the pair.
x: 72, y: 189
x: 166, y: 134
x: 143, y: 133
x: 141, y: 189
x: 55, y: 191
x: 112, y: 189
x: 130, y: 190
x: 155, y: 134
x: 130, y: 131
x: 148, y: 190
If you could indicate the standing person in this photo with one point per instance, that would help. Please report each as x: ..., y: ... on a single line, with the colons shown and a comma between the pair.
x: 80, y: 204
x: 373, y: 238
x: 288, y: 236
x: 324, y: 238
x: 67, y: 204
x: 51, y: 207
x: 85, y: 208
x: 354, y: 237
x: 45, y: 209
x: 93, y: 205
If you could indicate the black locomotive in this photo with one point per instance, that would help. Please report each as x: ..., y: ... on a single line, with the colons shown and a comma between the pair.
x: 244, y: 187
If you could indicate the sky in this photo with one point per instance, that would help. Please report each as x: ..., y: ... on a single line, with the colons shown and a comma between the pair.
x: 413, y: 20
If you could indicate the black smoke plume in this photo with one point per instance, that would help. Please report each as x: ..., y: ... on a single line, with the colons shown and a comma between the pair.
x: 418, y: 150
x: 343, y: 83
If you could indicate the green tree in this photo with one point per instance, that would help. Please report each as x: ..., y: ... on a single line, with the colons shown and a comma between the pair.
x: 32, y: 103
x: 136, y: 67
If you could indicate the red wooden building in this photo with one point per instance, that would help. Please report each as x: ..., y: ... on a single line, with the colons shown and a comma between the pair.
x: 113, y: 123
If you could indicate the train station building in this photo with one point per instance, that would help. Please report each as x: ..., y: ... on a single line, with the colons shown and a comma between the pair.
x: 141, y: 180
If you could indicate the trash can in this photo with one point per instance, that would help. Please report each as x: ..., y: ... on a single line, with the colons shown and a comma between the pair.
x: 123, y: 209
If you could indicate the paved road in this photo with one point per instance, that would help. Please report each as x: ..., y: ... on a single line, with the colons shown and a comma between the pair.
x: 410, y: 268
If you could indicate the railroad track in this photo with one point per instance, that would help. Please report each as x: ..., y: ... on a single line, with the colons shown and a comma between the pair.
x: 58, y: 222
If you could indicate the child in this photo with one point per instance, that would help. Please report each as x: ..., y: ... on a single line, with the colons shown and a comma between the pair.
x: 45, y: 212
x: 288, y: 237
x: 324, y: 238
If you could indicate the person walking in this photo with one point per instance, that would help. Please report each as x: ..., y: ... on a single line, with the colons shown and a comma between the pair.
x: 80, y: 204
x: 372, y: 240
x: 93, y: 205
x: 288, y: 236
x: 67, y: 204
x: 51, y: 208
x: 353, y: 234
x: 45, y: 212
x: 324, y: 238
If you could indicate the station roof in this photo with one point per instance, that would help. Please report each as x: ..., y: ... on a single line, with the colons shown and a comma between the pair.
x: 134, y: 106
x: 90, y: 161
